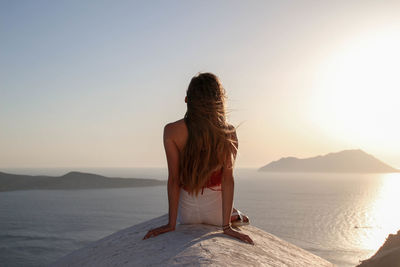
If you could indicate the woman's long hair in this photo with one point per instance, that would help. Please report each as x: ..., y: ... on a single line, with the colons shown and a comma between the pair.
x: 210, y: 145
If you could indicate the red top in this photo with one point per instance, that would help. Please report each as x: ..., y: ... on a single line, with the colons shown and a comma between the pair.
x: 215, y: 180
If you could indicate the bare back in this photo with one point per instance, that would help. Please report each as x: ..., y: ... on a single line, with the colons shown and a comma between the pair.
x: 179, y: 133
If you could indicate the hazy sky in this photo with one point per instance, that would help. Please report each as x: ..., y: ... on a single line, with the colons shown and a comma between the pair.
x: 92, y: 83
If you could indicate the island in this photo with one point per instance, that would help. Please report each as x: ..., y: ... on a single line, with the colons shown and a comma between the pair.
x: 346, y: 161
x: 71, y: 180
x: 189, y: 245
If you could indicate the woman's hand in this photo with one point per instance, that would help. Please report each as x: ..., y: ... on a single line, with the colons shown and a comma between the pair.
x: 159, y: 230
x: 245, y: 238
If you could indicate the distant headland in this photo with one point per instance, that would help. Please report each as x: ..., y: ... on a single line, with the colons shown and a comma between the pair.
x: 71, y: 180
x: 346, y: 161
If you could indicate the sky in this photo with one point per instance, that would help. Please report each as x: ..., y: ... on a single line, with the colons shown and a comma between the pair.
x: 92, y: 83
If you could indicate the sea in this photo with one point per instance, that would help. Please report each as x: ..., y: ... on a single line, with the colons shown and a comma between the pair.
x: 343, y: 218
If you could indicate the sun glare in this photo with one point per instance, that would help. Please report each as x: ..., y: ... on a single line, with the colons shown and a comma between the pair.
x: 383, y: 216
x: 357, y: 91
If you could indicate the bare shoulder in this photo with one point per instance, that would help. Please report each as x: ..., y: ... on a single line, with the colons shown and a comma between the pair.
x: 176, y: 131
x: 174, y: 127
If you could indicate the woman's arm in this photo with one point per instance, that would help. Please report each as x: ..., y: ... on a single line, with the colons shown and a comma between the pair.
x: 172, y: 153
x: 228, y: 186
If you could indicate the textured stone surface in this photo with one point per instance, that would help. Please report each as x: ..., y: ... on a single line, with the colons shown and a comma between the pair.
x: 193, y: 245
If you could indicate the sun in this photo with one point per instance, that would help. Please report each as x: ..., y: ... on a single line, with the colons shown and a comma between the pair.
x: 356, y: 93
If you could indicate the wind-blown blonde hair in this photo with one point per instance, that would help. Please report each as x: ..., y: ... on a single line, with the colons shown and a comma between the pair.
x: 211, y: 144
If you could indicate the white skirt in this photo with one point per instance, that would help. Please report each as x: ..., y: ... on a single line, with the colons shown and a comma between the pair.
x: 204, y: 208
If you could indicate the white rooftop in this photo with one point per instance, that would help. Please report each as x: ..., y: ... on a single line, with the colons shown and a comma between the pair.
x: 194, y: 245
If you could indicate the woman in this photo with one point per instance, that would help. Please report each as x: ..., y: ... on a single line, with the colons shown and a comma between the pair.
x: 201, y: 150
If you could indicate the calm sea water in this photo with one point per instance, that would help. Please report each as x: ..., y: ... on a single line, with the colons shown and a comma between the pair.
x: 343, y: 218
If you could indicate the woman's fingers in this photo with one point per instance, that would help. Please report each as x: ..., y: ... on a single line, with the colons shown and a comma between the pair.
x: 243, y: 237
x: 248, y: 239
x: 150, y: 234
x: 157, y: 231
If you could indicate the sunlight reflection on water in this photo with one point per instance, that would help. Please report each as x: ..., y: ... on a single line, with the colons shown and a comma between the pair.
x: 383, y: 217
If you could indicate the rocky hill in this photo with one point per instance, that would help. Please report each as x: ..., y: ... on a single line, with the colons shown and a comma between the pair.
x: 350, y: 161
x: 71, y: 180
